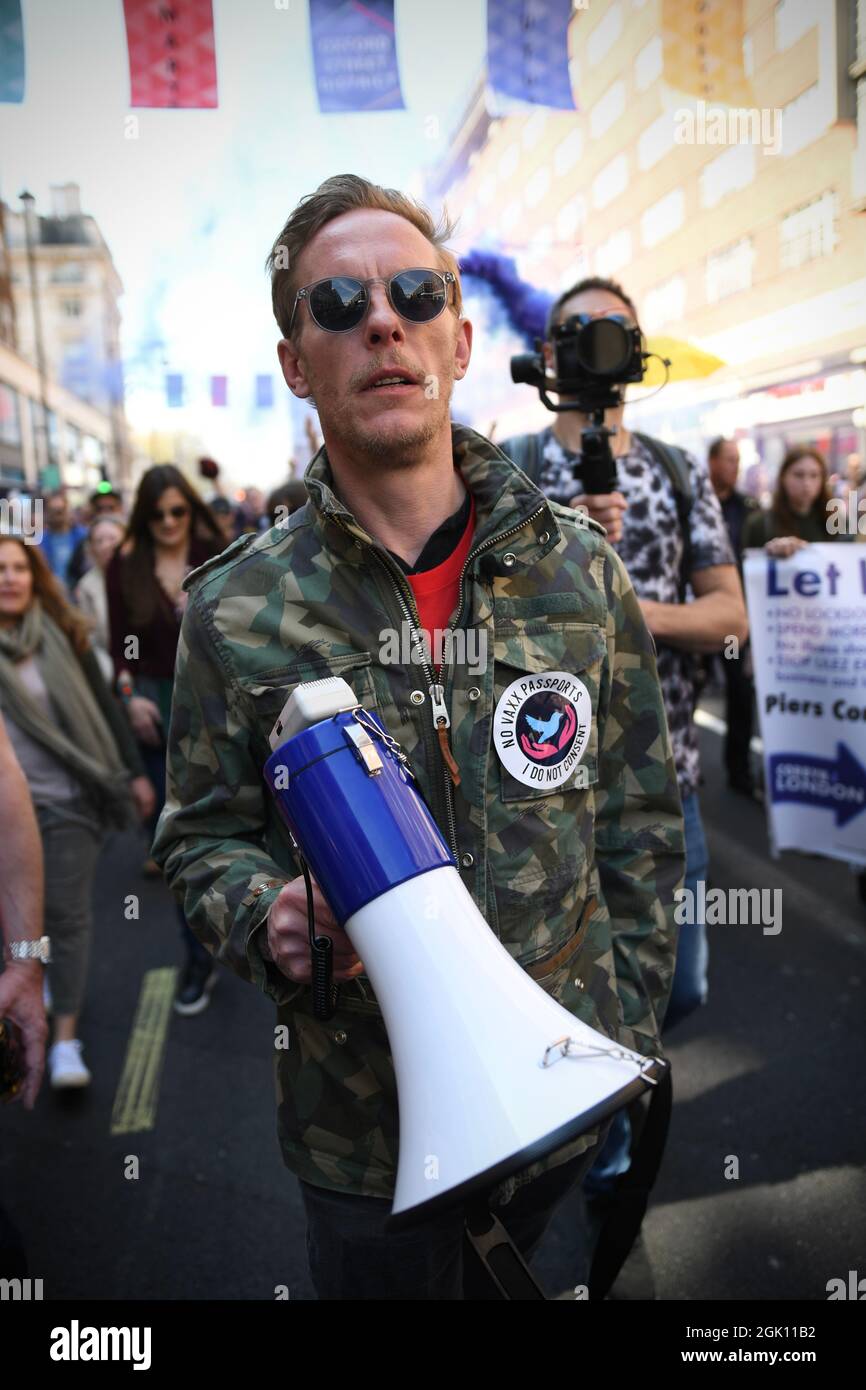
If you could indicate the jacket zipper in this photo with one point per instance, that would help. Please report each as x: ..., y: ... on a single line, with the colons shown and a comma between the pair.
x: 438, y: 706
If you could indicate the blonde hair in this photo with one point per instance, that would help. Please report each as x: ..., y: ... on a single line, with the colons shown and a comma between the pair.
x: 339, y: 194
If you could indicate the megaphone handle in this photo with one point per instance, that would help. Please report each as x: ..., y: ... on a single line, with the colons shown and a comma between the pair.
x: 325, y: 993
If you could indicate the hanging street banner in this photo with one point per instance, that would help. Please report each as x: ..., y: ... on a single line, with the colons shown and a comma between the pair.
x: 11, y: 51
x: 172, y: 60
x: 807, y: 618
x: 702, y: 51
x: 174, y: 389
x: 527, y: 52
x: 355, y: 55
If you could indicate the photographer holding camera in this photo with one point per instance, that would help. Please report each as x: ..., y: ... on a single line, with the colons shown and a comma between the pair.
x: 664, y: 520
x: 666, y: 524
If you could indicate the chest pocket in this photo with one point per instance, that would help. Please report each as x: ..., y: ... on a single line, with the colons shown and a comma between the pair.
x: 268, y: 691
x: 531, y: 650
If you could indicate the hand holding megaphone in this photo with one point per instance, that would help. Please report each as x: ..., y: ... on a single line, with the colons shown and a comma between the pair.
x: 289, y: 939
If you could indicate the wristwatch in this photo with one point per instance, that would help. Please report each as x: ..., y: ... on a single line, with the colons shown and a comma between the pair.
x: 30, y: 950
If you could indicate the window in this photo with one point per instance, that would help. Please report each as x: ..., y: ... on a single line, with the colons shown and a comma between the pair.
x: 793, y: 19
x: 663, y: 218
x: 604, y: 35
x: 664, y: 304
x: 614, y: 253
x: 510, y: 214
x: 570, y: 218
x: 69, y: 273
x: 729, y: 270
x: 73, y: 444
x: 648, y: 64
x: 575, y: 272
x: 10, y: 424
x: 36, y: 425
x: 607, y: 109
x: 610, y: 182
x: 509, y: 161
x: 655, y: 141
x: 809, y: 232
x: 748, y: 56
x: 802, y: 120
x: 72, y: 308
x: 733, y: 169
x: 568, y: 152
x: 487, y: 191
x: 534, y: 128
x: 537, y: 187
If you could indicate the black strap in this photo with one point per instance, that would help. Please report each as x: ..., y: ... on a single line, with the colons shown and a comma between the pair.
x: 633, y: 1188
x: 503, y: 1262
x: 525, y: 451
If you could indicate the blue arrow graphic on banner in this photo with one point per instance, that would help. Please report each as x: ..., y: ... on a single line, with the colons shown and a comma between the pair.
x: 838, y: 785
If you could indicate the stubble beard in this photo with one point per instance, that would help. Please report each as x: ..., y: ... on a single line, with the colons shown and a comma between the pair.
x: 378, y: 445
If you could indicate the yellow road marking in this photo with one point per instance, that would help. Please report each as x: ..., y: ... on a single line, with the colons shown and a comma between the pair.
x: 138, y: 1088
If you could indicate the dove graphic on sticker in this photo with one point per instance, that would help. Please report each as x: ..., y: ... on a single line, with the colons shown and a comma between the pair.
x: 541, y: 727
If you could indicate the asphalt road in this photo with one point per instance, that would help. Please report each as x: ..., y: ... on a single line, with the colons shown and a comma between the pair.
x: 770, y: 1072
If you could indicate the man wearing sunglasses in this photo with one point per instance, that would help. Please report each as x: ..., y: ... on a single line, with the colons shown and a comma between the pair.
x: 417, y: 525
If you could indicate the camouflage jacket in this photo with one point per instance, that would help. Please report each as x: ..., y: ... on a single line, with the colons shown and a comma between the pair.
x: 577, y: 882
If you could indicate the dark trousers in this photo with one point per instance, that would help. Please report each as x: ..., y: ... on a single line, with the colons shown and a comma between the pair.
x: 352, y: 1257
x: 154, y: 763
x: 739, y: 690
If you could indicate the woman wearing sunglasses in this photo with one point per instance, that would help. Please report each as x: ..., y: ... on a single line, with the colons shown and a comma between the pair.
x: 170, y: 533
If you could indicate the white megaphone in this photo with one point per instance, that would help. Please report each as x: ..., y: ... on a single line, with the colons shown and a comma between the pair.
x: 492, y: 1074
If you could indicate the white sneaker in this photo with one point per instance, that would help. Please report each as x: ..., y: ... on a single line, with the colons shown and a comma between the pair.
x: 66, y: 1066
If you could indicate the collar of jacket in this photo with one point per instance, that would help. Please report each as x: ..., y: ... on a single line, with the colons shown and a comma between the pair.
x: 512, y: 515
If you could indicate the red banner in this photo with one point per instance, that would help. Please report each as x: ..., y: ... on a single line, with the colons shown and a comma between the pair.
x: 171, y: 53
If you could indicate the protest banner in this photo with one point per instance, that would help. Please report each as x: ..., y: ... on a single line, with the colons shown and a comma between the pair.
x: 807, y: 618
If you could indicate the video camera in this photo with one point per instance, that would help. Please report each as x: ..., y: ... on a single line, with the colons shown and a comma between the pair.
x: 593, y: 359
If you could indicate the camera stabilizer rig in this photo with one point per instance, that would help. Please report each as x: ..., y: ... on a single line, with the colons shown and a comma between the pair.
x: 594, y: 358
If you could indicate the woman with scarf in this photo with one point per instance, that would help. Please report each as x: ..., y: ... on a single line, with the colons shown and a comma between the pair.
x: 81, y: 765
x: 170, y: 533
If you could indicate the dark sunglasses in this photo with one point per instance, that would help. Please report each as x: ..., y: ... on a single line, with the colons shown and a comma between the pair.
x: 340, y: 302
x: 174, y: 512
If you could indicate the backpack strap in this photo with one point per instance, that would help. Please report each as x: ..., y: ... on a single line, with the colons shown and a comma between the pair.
x: 524, y: 450
x: 676, y: 465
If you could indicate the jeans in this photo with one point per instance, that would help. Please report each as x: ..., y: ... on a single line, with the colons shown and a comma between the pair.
x: 352, y: 1257
x: 689, y: 989
x: 688, y: 992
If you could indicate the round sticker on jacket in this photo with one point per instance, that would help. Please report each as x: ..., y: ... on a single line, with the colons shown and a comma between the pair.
x: 541, y: 727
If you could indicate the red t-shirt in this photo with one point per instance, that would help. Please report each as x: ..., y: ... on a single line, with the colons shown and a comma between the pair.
x: 437, y: 591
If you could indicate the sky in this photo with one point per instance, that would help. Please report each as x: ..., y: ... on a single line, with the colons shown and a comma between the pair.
x: 190, y: 208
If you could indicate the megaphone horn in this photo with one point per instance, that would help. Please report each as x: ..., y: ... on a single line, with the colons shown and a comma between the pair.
x: 492, y: 1073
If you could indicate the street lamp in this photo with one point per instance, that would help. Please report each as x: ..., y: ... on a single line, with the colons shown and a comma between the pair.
x: 28, y: 201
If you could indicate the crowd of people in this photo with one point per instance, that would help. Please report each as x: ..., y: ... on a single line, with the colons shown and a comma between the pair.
x: 90, y: 622
x: 89, y: 625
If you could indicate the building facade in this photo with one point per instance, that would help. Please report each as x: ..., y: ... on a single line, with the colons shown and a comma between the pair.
x: 62, y: 415
x: 734, y: 218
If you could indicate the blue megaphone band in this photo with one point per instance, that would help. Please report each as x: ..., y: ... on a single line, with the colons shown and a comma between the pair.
x: 361, y: 833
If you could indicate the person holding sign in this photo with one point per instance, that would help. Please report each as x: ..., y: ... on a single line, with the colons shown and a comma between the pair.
x: 798, y: 515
